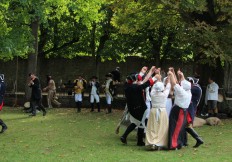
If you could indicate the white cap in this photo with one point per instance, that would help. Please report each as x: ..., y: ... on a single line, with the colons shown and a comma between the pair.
x: 159, y: 86
x: 186, y: 85
x: 2, y: 77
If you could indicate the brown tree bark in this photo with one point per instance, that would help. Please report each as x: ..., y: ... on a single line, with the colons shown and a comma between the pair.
x: 32, y: 57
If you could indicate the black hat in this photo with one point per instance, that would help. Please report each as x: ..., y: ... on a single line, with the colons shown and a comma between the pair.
x: 2, y: 77
x: 193, y: 80
x: 30, y: 74
x: 94, y: 77
x: 132, y: 77
x: 109, y: 75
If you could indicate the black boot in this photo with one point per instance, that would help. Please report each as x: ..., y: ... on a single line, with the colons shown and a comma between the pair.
x: 33, y: 112
x: 194, y: 134
x: 129, y: 129
x: 4, y: 127
x: 92, y: 107
x: 185, y: 143
x: 78, y: 104
x: 42, y: 108
x: 140, y: 137
x: 98, y: 107
x: 109, y: 109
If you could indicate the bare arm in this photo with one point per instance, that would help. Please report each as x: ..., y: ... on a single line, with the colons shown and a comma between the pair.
x: 172, y: 78
x: 149, y: 74
x: 174, y: 74
x: 180, y: 75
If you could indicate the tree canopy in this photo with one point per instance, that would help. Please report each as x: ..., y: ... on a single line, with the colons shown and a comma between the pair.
x: 186, y: 30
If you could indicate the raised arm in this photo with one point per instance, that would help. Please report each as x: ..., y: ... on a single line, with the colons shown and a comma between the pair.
x: 180, y: 75
x: 172, y: 78
x: 174, y: 74
x: 149, y: 74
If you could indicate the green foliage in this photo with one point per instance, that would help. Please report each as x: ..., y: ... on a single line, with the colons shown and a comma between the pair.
x: 196, y: 27
x: 186, y: 30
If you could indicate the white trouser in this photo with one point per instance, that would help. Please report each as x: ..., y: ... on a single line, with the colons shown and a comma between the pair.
x: 108, y: 99
x: 78, y: 97
x: 94, y: 96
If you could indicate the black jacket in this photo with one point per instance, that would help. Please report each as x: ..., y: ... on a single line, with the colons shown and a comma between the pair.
x: 97, y: 85
x: 2, y: 91
x: 135, y: 99
x: 36, y: 93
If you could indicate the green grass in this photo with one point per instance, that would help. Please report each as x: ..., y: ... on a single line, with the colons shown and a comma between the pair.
x: 64, y: 135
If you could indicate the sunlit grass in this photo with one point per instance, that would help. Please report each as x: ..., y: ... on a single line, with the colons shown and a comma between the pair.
x: 64, y: 135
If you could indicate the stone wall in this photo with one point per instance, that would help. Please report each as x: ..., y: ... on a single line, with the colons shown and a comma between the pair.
x: 63, y: 70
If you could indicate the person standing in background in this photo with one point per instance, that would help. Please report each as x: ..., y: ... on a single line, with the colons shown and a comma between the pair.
x: 109, y: 91
x: 94, y: 93
x: 116, y: 76
x: 78, y: 87
x: 2, y: 93
x: 211, y: 97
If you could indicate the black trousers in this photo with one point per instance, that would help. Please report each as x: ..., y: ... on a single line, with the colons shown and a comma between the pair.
x: 37, y: 102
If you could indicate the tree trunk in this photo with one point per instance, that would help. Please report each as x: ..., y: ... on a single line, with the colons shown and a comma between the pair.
x: 32, y: 57
x: 227, y: 77
x: 156, y: 45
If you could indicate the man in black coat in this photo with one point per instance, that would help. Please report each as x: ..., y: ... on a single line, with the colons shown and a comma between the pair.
x: 2, y: 93
x: 116, y: 76
x: 134, y: 93
x: 36, y: 94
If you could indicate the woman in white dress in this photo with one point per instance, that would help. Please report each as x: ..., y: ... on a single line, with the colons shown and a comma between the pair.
x: 157, y: 126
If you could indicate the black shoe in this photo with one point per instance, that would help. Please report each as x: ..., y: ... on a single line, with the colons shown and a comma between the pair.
x: 91, y: 110
x: 141, y: 144
x: 185, y: 144
x: 4, y: 128
x: 44, y: 113
x: 153, y: 147
x: 199, y: 142
x: 123, y: 140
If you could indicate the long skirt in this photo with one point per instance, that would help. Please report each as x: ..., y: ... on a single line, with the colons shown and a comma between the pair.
x: 157, y: 128
x: 177, y: 123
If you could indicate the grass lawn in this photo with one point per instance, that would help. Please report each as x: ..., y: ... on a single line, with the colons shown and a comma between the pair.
x: 64, y: 135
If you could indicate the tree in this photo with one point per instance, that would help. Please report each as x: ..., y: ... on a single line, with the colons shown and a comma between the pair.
x: 161, y: 28
x: 197, y: 28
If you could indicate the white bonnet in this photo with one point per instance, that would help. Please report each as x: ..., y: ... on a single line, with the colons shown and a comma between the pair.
x: 186, y: 85
x: 159, y: 86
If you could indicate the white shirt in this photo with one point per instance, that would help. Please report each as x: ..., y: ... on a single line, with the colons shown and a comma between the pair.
x: 93, y: 89
x: 108, y: 85
x: 182, y: 97
x: 211, y: 92
x: 148, y: 97
x: 158, y: 99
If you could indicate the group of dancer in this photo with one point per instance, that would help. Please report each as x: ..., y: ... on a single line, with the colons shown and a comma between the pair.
x: 162, y: 110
